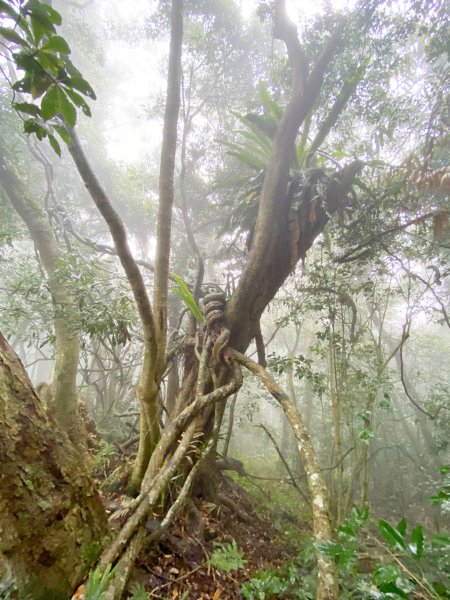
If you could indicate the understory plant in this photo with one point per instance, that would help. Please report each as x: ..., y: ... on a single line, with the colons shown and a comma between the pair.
x: 382, y: 561
x: 227, y: 557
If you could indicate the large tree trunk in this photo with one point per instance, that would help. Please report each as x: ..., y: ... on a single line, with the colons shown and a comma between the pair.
x: 51, y: 519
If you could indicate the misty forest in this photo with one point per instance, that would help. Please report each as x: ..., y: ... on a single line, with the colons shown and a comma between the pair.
x: 224, y: 299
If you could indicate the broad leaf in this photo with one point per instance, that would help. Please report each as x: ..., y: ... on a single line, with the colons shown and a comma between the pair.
x: 50, y: 62
x: 392, y: 591
x: 24, y: 60
x: 67, y: 109
x: 184, y: 293
x: 82, y: 86
x: 54, y: 144
x: 53, y: 14
x: 25, y: 107
x: 416, y: 545
x: 41, y: 13
x: 401, y: 526
x: 63, y: 133
x: 40, y: 82
x: 50, y: 103
x: 39, y: 30
x: 391, y: 535
x: 57, y: 44
x: 79, y: 101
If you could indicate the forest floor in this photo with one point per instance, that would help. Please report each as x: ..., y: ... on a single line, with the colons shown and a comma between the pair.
x: 211, y: 550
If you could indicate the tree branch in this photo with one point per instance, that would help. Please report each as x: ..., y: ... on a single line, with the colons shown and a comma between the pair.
x: 348, y: 256
x: 119, y: 236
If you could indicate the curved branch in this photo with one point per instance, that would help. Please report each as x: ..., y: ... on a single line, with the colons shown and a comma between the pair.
x: 119, y: 236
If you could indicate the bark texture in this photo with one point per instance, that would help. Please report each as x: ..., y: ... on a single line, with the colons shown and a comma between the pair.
x: 51, y: 519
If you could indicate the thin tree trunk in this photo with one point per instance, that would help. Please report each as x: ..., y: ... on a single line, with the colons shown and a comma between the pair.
x: 63, y: 396
x: 166, y: 188
x: 147, y: 389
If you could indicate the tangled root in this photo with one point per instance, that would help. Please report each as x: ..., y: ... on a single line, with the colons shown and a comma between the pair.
x: 214, y: 310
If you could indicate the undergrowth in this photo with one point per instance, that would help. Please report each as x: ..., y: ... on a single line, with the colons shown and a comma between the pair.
x: 376, y: 560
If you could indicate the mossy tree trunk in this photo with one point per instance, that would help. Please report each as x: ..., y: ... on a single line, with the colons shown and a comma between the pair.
x: 52, y: 522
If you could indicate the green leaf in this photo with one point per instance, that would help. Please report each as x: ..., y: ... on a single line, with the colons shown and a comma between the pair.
x: 49, y: 62
x: 54, y: 144
x: 441, y: 497
x: 67, y: 109
x: 79, y: 101
x: 440, y: 589
x: 401, y: 526
x: 12, y: 36
x: 248, y: 159
x: 391, y: 535
x: 184, y: 293
x: 50, y: 105
x: 39, y: 30
x: 360, y: 516
x: 23, y: 85
x: 41, y: 13
x: 386, y: 573
x: 26, y: 61
x: 29, y: 126
x: 63, y: 133
x: 416, y: 545
x: 392, y: 588
x: 81, y: 85
x: 270, y: 106
x: 29, y: 109
x: 56, y: 44
x: 53, y: 14
x: 97, y: 582
x: 441, y: 541
x: 40, y: 82
x: 365, y: 435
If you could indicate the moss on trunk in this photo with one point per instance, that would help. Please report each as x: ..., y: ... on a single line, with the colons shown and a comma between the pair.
x: 52, y: 522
